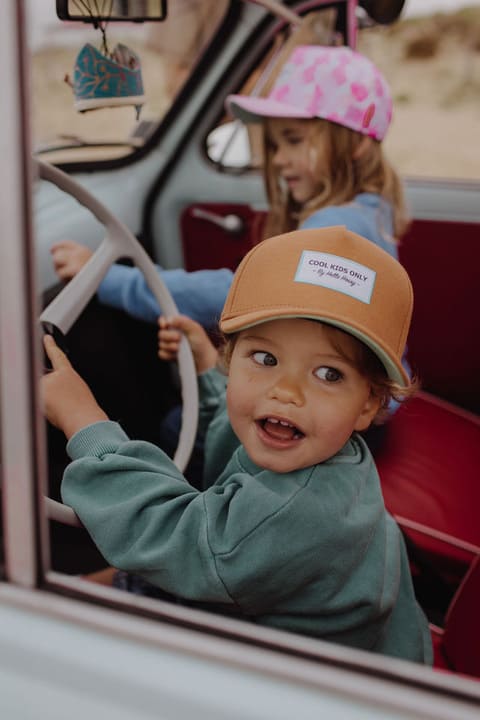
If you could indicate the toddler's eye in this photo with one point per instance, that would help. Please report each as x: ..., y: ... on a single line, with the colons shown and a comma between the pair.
x: 264, y: 358
x: 329, y: 374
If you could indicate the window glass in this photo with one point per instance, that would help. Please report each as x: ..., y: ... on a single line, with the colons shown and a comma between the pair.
x: 432, y: 63
x: 168, y: 51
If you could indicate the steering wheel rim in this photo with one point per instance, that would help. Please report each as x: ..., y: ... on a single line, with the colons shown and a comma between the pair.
x: 62, y: 312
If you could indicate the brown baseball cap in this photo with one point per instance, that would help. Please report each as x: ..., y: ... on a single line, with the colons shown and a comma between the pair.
x: 328, y: 274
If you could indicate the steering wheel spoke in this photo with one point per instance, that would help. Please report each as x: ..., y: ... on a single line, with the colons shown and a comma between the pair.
x: 64, y: 310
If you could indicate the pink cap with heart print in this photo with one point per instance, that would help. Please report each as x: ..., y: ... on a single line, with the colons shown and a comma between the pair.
x: 333, y: 83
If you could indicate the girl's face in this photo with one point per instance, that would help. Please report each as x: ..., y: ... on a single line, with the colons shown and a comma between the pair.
x: 293, y: 399
x: 299, y: 162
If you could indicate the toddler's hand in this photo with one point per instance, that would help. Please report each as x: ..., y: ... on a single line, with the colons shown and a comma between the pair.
x: 69, y: 257
x: 170, y: 333
x: 68, y: 402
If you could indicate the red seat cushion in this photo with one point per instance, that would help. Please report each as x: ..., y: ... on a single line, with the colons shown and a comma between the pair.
x: 456, y: 646
x: 439, y: 660
x: 461, y: 638
x: 429, y: 471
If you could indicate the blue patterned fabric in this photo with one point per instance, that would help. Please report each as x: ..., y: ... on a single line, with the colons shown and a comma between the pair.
x: 102, y: 81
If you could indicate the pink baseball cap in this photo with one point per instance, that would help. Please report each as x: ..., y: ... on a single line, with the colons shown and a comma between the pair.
x: 333, y: 83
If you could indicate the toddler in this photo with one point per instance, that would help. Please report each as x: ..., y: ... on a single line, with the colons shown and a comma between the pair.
x: 290, y: 530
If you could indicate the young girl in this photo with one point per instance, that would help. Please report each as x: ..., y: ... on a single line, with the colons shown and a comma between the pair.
x: 290, y: 529
x: 324, y: 122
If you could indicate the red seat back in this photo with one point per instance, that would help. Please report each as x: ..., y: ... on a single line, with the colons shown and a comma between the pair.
x: 442, y: 261
x: 429, y: 471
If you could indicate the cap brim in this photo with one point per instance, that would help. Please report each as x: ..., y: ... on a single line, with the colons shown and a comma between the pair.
x: 393, y: 367
x: 255, y: 109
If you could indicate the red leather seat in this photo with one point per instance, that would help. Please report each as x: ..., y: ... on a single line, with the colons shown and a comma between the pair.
x: 443, y: 348
x: 457, y: 644
x: 429, y: 470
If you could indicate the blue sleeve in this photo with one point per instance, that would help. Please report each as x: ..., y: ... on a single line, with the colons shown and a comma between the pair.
x: 370, y: 218
x: 200, y: 294
x: 335, y: 215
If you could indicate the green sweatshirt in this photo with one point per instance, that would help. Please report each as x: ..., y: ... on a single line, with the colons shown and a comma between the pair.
x: 312, y: 551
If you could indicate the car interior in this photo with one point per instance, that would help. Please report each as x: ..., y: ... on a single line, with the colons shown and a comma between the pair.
x: 425, y: 460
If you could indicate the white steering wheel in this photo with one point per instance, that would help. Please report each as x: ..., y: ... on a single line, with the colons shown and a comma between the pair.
x: 62, y: 312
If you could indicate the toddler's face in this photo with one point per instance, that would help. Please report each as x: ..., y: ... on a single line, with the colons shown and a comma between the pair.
x: 293, y: 399
x: 299, y: 162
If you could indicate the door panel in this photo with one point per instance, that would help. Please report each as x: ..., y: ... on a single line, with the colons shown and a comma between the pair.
x: 207, y: 244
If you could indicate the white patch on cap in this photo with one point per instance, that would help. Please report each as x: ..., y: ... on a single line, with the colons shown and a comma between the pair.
x: 337, y: 273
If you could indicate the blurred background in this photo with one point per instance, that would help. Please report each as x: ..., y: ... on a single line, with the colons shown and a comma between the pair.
x: 431, y: 58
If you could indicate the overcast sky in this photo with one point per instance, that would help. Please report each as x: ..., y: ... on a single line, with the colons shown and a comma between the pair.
x: 424, y: 7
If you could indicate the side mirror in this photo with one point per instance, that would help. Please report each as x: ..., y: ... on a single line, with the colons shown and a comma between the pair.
x: 131, y: 11
x: 383, y: 11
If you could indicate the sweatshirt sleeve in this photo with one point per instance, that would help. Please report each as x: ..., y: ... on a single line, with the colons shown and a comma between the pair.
x: 213, y: 546
x: 200, y: 294
x: 312, y: 551
x: 211, y: 389
x: 141, y: 512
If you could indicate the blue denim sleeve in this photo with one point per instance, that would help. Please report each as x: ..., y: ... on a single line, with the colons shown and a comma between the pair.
x: 200, y: 294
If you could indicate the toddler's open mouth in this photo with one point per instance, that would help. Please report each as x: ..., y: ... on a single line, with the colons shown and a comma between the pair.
x: 280, y: 429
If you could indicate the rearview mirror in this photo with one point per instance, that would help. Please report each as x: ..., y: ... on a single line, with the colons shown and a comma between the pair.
x: 127, y: 10
x: 383, y: 11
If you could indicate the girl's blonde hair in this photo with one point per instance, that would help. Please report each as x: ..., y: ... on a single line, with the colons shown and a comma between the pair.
x: 348, y: 175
